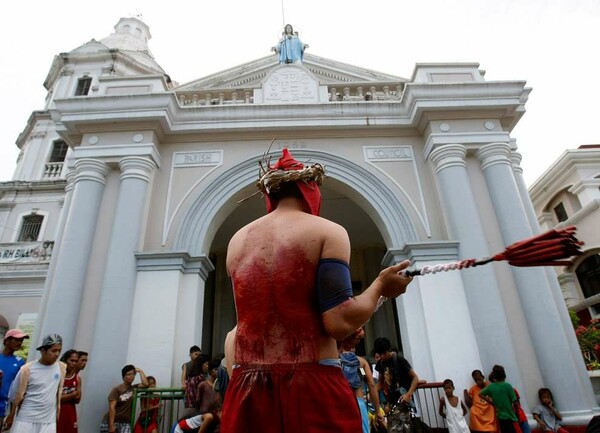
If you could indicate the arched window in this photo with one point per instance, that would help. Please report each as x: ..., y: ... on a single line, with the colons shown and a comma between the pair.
x: 30, y: 228
x: 588, y: 274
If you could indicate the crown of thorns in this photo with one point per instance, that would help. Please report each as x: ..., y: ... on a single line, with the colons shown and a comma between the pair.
x: 270, y: 180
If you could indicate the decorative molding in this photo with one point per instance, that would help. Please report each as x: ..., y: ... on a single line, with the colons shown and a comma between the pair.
x: 174, y: 261
x: 117, y: 152
x: 431, y: 251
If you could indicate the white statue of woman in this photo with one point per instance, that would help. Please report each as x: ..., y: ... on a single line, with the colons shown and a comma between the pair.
x: 290, y: 47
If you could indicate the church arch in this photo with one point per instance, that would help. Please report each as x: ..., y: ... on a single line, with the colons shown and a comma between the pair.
x: 212, y: 205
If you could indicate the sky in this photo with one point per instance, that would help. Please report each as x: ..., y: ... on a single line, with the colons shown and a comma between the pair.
x: 550, y: 44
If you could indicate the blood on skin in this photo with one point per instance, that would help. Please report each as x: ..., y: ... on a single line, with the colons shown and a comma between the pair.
x: 277, y: 307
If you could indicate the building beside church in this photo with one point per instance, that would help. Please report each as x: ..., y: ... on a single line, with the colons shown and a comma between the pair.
x: 128, y: 188
x: 568, y: 193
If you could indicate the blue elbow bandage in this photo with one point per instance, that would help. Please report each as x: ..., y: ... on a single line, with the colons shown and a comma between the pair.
x: 333, y: 283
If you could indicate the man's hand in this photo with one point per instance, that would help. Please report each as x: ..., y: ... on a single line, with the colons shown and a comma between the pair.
x: 393, y: 281
x: 405, y: 399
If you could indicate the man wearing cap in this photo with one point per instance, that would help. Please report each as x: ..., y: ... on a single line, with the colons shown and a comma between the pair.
x: 9, y: 366
x: 37, y: 391
x: 293, y: 296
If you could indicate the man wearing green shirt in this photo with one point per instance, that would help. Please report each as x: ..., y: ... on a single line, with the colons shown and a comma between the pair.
x: 502, y: 395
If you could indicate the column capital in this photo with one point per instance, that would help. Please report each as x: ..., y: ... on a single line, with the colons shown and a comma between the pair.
x: 448, y: 155
x: 138, y: 167
x: 493, y: 154
x: 515, y: 159
x: 90, y: 169
x: 70, y: 177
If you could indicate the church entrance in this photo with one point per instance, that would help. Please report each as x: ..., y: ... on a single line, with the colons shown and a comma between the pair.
x: 368, y: 249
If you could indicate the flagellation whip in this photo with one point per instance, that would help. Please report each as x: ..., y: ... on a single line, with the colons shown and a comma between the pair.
x: 552, y: 248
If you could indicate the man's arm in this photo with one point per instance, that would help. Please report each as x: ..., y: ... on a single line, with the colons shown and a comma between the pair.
x: 467, y: 398
x: 343, y: 319
x: 143, y: 377
x: 540, y: 421
x: 183, y: 374
x: 373, y: 394
x: 112, y: 411
x: 230, y: 350
x: 413, y: 386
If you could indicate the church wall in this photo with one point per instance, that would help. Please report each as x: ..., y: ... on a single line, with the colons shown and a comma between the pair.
x: 18, y: 298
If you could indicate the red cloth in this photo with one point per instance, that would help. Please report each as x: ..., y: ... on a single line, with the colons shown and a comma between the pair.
x: 310, y: 190
x: 290, y: 398
x: 152, y: 424
x: 67, y: 420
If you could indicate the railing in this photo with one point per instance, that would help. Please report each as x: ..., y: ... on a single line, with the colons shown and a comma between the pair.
x: 170, y: 410
x: 53, y: 170
x: 427, y: 397
x: 343, y: 93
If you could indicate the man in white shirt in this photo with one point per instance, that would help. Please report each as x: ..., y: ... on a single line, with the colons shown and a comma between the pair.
x: 37, y: 389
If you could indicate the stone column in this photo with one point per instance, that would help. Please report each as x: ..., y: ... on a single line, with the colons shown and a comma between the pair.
x: 481, y: 287
x: 70, y: 177
x: 111, y: 335
x: 65, y: 285
x: 170, y: 286
x: 561, y: 298
x: 551, y: 343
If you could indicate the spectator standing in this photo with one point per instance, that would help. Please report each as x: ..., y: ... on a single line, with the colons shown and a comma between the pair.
x: 9, y: 366
x: 453, y: 410
x: 403, y: 379
x: 147, y: 422
x: 83, y: 359
x: 546, y: 415
x: 502, y: 395
x: 357, y: 371
x: 522, y: 418
x: 186, y: 367
x: 71, y: 394
x: 483, y: 414
x: 120, y: 399
x: 38, y: 387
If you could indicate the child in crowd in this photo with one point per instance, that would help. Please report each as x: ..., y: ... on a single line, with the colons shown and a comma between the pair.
x: 453, y: 410
x: 147, y: 422
x: 523, y: 423
x: 203, y: 423
x: 546, y: 415
x: 502, y: 395
x: 483, y: 414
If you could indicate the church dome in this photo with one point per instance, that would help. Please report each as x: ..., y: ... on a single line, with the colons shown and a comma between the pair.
x: 130, y: 34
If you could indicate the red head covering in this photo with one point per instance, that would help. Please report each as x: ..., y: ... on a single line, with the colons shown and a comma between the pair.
x: 308, y: 188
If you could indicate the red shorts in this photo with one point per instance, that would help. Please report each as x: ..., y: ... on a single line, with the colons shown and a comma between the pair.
x: 285, y: 398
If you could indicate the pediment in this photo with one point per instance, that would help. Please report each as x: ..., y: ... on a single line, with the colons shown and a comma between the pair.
x: 251, y: 75
x: 91, y: 47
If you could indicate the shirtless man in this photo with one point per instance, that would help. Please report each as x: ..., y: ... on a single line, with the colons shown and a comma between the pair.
x: 293, y: 297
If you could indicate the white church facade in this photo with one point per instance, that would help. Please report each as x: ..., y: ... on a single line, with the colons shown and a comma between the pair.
x: 128, y: 188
